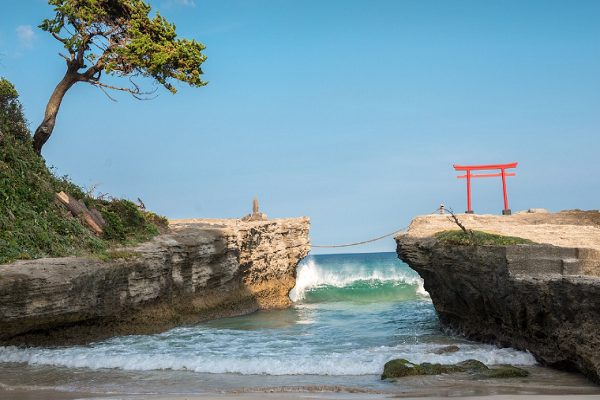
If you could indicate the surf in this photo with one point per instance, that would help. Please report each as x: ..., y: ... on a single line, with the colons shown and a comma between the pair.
x: 351, y: 314
x: 353, y: 280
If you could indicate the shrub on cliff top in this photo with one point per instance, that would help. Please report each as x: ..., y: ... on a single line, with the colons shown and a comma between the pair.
x: 32, y: 223
x: 125, y: 222
x: 11, y: 111
x: 459, y: 237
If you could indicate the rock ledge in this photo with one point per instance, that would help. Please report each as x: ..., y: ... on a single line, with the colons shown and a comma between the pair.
x: 203, y: 269
x: 540, y: 298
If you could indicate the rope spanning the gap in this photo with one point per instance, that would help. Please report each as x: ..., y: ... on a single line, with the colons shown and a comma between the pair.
x: 366, y: 241
x: 376, y: 239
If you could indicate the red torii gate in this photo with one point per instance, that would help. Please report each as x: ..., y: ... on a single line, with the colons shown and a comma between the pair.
x: 469, y: 175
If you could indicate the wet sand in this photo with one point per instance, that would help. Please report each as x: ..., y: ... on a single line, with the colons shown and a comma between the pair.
x: 289, y: 396
x: 53, y: 395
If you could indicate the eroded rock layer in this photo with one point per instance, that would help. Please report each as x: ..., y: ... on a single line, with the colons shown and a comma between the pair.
x: 540, y: 298
x: 199, y: 271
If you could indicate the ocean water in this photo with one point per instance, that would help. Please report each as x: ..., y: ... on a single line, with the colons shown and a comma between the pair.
x: 351, y: 314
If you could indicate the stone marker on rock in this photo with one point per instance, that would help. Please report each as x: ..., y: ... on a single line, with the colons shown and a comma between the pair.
x: 256, y: 215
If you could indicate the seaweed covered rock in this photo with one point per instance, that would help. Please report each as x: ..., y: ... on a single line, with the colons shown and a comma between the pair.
x: 507, y: 371
x: 401, y: 367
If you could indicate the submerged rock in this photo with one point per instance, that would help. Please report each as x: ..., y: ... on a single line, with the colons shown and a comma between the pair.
x: 507, y: 371
x: 401, y: 367
x: 472, y: 365
x: 446, y: 350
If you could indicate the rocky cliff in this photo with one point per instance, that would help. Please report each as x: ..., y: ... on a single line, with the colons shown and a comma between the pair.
x: 201, y: 270
x: 540, y: 298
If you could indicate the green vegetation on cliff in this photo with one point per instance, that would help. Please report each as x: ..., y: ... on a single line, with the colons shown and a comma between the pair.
x: 33, y: 224
x: 473, y: 238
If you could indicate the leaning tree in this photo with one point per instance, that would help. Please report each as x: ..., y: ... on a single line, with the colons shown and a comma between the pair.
x: 116, y: 37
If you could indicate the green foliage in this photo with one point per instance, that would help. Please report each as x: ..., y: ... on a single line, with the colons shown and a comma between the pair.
x: 126, y: 223
x: 11, y: 111
x: 161, y: 223
x: 123, y: 218
x: 118, y: 37
x: 32, y: 223
x: 459, y: 237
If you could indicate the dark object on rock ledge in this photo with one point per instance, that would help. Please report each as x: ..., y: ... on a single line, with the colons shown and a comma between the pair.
x: 401, y: 367
x: 256, y: 215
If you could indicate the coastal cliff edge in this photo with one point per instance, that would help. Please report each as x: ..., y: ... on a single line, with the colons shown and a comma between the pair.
x: 202, y: 269
x: 541, y: 298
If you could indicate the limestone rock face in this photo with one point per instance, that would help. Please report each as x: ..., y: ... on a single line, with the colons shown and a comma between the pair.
x: 201, y: 270
x: 540, y: 298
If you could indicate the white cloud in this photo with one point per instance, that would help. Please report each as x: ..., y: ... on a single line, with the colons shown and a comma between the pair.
x: 26, y: 35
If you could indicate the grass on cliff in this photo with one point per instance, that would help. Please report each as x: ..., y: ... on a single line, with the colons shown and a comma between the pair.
x: 459, y: 237
x: 33, y: 224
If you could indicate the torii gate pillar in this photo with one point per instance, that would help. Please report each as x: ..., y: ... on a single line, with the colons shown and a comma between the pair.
x: 469, y: 175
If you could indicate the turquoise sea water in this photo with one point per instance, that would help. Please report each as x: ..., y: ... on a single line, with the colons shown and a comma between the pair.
x: 351, y: 314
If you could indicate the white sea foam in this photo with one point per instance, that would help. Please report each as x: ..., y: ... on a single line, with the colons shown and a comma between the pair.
x: 309, y: 339
x: 311, y: 275
x: 258, y: 361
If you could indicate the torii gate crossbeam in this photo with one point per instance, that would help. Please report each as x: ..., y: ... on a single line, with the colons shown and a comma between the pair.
x: 502, y: 173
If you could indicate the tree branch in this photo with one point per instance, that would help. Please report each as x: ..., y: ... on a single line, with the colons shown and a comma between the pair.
x: 99, y: 32
x: 461, y: 226
x: 134, y: 92
x: 64, y: 41
x: 81, y: 50
x: 106, y: 93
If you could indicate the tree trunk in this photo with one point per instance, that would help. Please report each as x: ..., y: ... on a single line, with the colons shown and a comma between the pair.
x: 78, y: 209
x: 43, y: 132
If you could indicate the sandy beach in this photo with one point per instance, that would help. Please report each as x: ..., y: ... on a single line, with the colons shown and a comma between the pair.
x: 53, y: 395
x: 290, y: 396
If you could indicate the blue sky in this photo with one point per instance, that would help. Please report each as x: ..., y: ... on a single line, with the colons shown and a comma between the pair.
x: 349, y: 112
